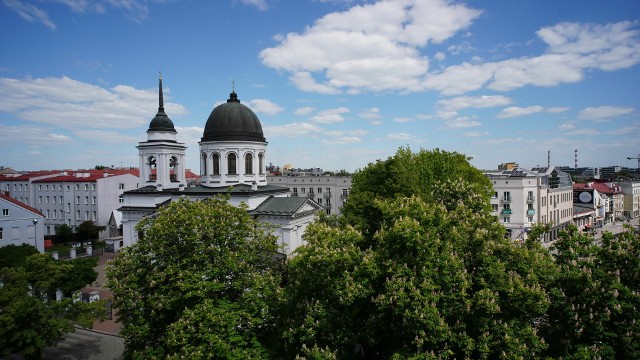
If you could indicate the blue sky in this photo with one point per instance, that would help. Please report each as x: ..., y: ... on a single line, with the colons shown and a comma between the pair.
x: 336, y: 84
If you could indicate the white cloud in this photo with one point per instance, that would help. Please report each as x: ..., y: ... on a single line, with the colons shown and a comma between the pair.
x: 440, y: 56
x: 112, y: 137
x: 515, y: 111
x: 259, y: 4
x: 73, y: 104
x: 30, y: 12
x: 462, y: 122
x: 568, y: 125
x: 330, y: 115
x: 400, y: 136
x: 291, y: 130
x: 604, y: 112
x: 343, y: 140
x: 370, y: 114
x: 475, y: 133
x: 369, y: 47
x: 448, y: 108
x: 264, y: 106
x: 304, y: 110
x: 403, y: 119
x: 31, y: 135
x: 558, y: 109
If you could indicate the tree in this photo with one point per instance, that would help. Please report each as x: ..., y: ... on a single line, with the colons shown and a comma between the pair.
x: 435, y: 176
x: 88, y: 230
x: 30, y: 318
x: 15, y: 255
x: 595, y: 311
x: 199, y: 284
x: 418, y: 268
x: 63, y: 233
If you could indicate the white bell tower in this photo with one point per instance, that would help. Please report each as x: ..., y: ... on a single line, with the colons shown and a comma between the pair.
x: 162, y: 157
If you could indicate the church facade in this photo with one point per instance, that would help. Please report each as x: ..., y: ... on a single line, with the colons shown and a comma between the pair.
x: 232, y: 161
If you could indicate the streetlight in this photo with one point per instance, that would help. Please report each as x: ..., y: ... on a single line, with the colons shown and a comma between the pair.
x: 35, y: 231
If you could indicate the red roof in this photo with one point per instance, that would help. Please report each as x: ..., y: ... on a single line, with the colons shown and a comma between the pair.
x: 27, y: 176
x: 21, y: 204
x: 87, y: 175
x: 603, y: 188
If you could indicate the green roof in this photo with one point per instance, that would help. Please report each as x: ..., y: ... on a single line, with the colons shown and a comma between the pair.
x: 282, y: 206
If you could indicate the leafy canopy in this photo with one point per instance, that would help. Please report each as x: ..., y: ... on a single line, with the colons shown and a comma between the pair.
x: 198, y: 284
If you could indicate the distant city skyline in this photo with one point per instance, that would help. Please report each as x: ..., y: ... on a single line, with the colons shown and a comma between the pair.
x: 336, y: 84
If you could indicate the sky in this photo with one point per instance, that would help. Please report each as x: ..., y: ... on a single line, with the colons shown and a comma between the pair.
x: 336, y: 84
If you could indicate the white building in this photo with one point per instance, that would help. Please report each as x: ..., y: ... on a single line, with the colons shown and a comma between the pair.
x: 524, y: 197
x: 631, y: 192
x: 20, y: 224
x: 232, y: 161
x: 330, y: 192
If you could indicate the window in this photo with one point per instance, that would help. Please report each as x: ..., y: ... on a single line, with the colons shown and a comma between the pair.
x: 60, y: 198
x: 494, y: 207
x: 5, y: 212
x: 77, y: 186
x: 77, y: 200
x: 39, y: 187
x: 121, y: 199
x: 93, y: 216
x: 26, y: 187
x: 248, y: 163
x: 93, y: 200
x: 78, y: 215
x: 46, y: 187
x: 319, y: 201
x: 216, y: 164
x: 121, y: 186
x: 261, y: 163
x: 203, y: 164
x: 86, y: 187
x: 345, y: 193
x: 1, y: 232
x: 231, y: 164
x: 46, y: 200
x: 86, y: 215
x: 60, y: 187
x: 93, y: 186
x: 319, y: 190
x: 311, y: 191
x: 53, y: 199
x: 55, y: 214
x: 86, y: 200
x: 68, y: 207
x: 506, y: 196
x: 39, y: 199
x: 68, y: 187
x: 48, y: 214
x: 506, y: 219
x: 295, y: 191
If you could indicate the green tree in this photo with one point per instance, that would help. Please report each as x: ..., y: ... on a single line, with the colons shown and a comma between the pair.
x: 88, y: 230
x: 199, y: 284
x: 15, y: 255
x: 63, y: 233
x: 417, y: 269
x: 30, y: 318
x: 435, y: 176
x: 595, y: 311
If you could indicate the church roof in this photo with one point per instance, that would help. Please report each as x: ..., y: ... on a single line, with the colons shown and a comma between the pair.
x: 161, y: 121
x: 232, y: 121
x: 240, y: 189
x: 286, y: 206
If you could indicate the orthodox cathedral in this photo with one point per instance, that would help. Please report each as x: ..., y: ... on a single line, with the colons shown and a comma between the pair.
x: 232, y: 161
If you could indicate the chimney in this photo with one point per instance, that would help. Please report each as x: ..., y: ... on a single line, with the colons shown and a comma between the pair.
x: 254, y: 186
x: 159, y: 187
x: 181, y: 187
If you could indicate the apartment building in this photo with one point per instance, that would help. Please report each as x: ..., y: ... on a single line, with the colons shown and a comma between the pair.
x: 20, y: 224
x: 631, y: 195
x: 524, y: 197
x: 330, y: 192
x: 71, y: 197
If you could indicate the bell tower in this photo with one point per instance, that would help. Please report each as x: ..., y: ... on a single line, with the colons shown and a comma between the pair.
x: 162, y: 157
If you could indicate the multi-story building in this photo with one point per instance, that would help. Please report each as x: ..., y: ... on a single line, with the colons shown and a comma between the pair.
x: 20, y: 224
x: 330, y: 192
x: 523, y: 198
x: 631, y: 194
x: 612, y: 196
x: 18, y: 185
x: 76, y: 196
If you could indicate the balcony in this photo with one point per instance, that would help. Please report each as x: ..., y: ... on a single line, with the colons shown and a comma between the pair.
x: 531, y: 212
x: 506, y: 212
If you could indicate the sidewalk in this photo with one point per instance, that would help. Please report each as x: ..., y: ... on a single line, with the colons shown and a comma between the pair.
x: 109, y: 326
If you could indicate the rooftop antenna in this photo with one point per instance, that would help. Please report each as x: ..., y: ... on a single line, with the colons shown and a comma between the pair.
x: 233, y: 86
x: 576, y: 158
x: 548, y: 158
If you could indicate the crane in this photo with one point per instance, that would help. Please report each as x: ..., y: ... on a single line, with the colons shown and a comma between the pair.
x: 636, y: 158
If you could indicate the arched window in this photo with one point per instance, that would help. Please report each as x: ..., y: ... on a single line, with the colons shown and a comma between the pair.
x: 216, y: 164
x: 261, y: 163
x: 231, y: 165
x: 173, y: 167
x: 151, y: 162
x: 203, y: 164
x: 248, y: 163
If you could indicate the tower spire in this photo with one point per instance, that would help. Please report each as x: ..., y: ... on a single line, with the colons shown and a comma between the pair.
x: 160, y: 97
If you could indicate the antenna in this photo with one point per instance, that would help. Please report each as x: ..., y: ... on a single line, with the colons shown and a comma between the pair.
x: 548, y: 158
x: 576, y: 158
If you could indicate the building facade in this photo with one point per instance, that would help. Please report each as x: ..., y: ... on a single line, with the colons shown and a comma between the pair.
x: 524, y: 197
x: 330, y: 192
x: 631, y: 202
x: 20, y: 224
